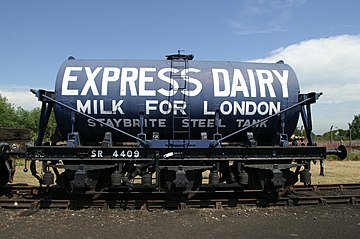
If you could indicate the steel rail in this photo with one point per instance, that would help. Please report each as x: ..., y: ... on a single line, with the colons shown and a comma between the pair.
x: 30, y: 197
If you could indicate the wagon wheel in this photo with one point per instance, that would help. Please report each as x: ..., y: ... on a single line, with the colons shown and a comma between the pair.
x: 167, y: 179
x: 291, y: 179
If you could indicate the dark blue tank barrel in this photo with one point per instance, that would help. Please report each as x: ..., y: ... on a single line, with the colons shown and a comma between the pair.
x: 118, y: 91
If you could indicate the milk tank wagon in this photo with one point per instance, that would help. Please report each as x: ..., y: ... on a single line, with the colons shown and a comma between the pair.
x: 174, y: 126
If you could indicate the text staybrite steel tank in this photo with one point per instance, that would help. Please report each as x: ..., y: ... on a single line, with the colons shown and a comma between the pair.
x: 118, y: 91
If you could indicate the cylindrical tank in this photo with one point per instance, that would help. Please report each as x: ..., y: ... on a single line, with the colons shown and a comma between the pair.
x: 117, y: 92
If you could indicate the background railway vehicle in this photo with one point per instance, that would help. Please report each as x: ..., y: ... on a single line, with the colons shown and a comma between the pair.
x: 159, y: 125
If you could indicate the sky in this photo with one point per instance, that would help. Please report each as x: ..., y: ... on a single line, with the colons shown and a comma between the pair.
x: 319, y: 39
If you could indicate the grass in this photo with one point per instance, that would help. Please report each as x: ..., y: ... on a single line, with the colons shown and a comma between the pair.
x: 354, y: 156
x: 351, y: 156
x: 346, y: 171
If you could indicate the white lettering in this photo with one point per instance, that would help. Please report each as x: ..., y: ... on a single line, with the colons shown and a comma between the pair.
x: 163, y: 77
x: 149, y: 106
x: 91, y: 123
x: 127, y: 122
x: 90, y: 83
x: 67, y: 78
x: 241, y: 123
x: 165, y: 107
x: 226, y: 108
x: 284, y: 81
x: 252, y: 83
x: 225, y: 91
x: 84, y: 108
x: 111, y: 74
x: 143, y: 79
x: 263, y: 108
x: 249, y: 108
x: 206, y: 111
x: 196, y: 82
x: 95, y: 106
x: 117, y: 122
x: 179, y: 105
x: 130, y: 79
x: 102, y: 109
x: 265, y: 79
x: 239, y: 84
x: 239, y: 109
x: 116, y: 106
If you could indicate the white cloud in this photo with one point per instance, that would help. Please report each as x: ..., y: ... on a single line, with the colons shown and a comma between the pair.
x: 20, y: 96
x: 329, y: 65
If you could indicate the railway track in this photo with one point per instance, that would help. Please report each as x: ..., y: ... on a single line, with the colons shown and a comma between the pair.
x: 33, y: 197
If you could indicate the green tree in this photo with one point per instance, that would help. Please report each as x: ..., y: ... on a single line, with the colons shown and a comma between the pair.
x: 342, y: 134
x: 12, y: 117
x: 355, y: 127
x: 30, y: 120
x: 7, y: 113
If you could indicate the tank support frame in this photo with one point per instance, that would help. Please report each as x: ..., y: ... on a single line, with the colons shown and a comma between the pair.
x: 270, y: 164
